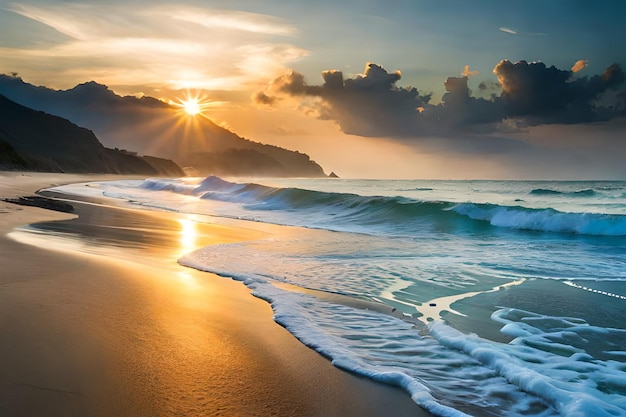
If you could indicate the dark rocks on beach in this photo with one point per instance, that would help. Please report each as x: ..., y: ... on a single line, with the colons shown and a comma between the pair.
x: 42, y: 202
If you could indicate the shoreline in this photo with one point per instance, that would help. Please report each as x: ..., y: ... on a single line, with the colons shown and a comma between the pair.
x: 86, y: 334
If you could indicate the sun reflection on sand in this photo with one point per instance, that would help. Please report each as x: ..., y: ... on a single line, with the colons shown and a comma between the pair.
x: 187, y: 279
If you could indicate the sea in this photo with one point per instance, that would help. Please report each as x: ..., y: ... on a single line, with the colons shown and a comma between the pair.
x: 480, y: 298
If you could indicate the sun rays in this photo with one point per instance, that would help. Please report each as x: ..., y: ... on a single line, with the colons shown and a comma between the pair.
x: 192, y: 104
x: 185, y: 127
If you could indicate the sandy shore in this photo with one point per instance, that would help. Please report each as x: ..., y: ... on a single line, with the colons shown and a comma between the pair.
x: 111, y: 325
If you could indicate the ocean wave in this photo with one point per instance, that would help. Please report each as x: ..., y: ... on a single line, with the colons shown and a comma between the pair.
x: 417, y: 189
x: 216, y: 184
x: 341, y: 211
x: 345, y: 206
x: 545, y: 220
x: 580, y: 193
x: 161, y: 184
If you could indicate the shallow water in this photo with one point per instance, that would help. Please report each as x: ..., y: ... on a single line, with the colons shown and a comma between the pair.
x: 512, y: 294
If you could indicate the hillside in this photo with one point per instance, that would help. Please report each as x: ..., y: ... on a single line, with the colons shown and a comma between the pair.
x: 34, y: 140
x: 150, y: 126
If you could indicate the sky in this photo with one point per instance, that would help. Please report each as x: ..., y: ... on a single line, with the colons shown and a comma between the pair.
x: 369, y: 89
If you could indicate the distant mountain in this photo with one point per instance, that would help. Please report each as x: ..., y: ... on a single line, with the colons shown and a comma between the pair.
x: 36, y: 141
x: 150, y: 126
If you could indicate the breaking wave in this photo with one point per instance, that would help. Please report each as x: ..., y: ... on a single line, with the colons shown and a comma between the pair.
x: 347, y: 211
x: 545, y: 220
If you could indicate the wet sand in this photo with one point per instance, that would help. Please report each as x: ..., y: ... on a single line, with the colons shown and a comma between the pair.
x: 106, y: 323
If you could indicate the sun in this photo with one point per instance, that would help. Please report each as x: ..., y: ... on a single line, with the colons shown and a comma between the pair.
x: 191, y: 106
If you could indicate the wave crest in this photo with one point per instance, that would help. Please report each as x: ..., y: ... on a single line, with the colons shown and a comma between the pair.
x: 545, y: 220
x: 580, y: 193
x: 397, y: 214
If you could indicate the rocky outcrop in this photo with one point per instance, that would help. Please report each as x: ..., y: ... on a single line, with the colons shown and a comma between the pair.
x: 43, y: 202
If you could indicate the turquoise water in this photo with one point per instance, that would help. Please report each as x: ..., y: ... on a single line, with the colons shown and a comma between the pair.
x: 509, y: 297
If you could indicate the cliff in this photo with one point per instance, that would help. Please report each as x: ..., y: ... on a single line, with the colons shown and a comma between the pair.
x: 34, y: 140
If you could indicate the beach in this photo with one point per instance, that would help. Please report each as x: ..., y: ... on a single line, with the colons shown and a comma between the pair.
x: 112, y: 325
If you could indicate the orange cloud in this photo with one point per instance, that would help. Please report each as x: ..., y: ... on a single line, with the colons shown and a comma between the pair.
x: 467, y: 73
x: 579, y: 65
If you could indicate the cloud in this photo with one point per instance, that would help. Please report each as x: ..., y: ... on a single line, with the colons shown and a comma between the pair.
x: 369, y: 104
x: 579, y: 65
x: 372, y: 104
x: 467, y: 73
x: 461, y: 110
x: 228, y: 19
x: 88, y: 22
x: 507, y: 30
x: 546, y: 95
x: 516, y: 32
x: 181, y: 46
x: 262, y: 98
x: 487, y: 86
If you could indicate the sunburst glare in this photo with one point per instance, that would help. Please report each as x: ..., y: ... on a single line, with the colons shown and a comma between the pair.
x: 192, y: 104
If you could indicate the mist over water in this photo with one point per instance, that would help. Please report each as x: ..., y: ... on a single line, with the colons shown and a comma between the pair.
x: 504, y: 297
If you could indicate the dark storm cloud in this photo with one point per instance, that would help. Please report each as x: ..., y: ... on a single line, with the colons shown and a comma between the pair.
x: 544, y: 95
x: 372, y: 104
x: 382, y: 108
x: 461, y: 109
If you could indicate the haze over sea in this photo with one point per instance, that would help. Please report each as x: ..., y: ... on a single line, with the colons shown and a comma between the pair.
x: 500, y: 298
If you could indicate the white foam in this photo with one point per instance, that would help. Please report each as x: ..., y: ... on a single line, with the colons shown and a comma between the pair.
x: 92, y: 189
x: 385, y: 349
